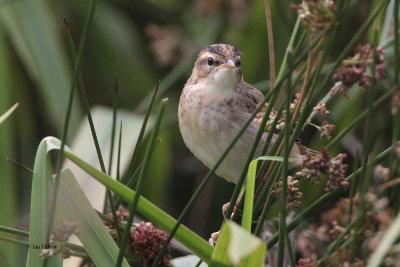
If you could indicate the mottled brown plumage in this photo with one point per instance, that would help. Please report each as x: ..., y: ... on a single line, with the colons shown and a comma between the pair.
x: 214, y: 105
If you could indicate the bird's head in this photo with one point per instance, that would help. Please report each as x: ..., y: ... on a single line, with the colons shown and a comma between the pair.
x: 218, y: 65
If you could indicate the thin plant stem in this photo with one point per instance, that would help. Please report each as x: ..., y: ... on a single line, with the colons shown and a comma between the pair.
x: 335, y: 243
x: 119, y: 153
x: 133, y: 179
x: 250, y: 156
x: 396, y: 117
x: 20, y: 165
x: 357, y: 120
x: 304, y: 87
x: 132, y: 163
x: 365, y: 176
x: 267, y: 205
x: 396, y: 42
x: 60, y: 155
x: 285, y: 170
x: 86, y: 106
x: 295, y: 114
x: 328, y: 196
x: 143, y: 172
x: 290, y: 46
x: 270, y: 44
x: 290, y: 249
x: 14, y: 231
x: 114, y: 122
x: 198, y: 263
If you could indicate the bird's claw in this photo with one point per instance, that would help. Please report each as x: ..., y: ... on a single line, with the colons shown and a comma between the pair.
x: 213, y: 238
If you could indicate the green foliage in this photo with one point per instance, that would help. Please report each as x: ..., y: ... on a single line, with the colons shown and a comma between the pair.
x: 237, y: 247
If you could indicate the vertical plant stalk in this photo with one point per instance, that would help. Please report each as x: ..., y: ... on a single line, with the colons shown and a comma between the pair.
x: 328, y: 196
x: 132, y: 164
x: 271, y: 49
x: 296, y: 111
x: 249, y: 197
x: 304, y: 87
x: 396, y: 119
x: 396, y: 41
x: 366, y: 175
x: 143, y: 172
x: 119, y: 153
x: 86, y: 107
x: 334, y: 244
x: 272, y: 100
x: 114, y: 122
x: 109, y: 196
x: 357, y: 36
x: 250, y: 156
x: 60, y: 155
x: 283, y: 233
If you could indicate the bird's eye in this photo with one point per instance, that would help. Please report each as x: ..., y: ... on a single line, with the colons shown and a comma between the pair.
x: 210, y: 61
x: 238, y: 62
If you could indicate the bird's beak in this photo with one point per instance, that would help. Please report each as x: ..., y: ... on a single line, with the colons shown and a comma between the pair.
x: 228, y: 65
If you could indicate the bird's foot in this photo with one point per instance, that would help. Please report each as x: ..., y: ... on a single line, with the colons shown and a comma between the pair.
x: 213, y: 238
x: 225, y: 208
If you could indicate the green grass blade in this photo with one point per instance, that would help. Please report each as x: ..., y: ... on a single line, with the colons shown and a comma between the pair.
x: 184, y: 235
x: 94, y: 236
x: 285, y: 170
x: 132, y: 164
x: 189, y: 260
x: 119, y: 154
x: 14, y: 231
x: 114, y: 122
x: 249, y: 197
x: 42, y: 188
x: 77, y: 74
x: 143, y: 172
x: 60, y: 155
x: 237, y: 247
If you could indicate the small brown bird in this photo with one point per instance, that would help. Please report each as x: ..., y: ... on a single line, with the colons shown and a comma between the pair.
x: 214, y: 105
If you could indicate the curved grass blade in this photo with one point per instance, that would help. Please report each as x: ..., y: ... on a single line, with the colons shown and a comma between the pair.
x: 183, y: 234
x: 42, y: 188
x: 72, y: 206
x: 95, y: 238
x: 237, y: 247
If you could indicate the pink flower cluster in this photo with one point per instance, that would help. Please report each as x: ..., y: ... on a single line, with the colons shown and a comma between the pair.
x: 354, y: 69
x: 317, y: 164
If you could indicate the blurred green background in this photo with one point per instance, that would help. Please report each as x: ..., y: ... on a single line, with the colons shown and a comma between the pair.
x: 144, y: 42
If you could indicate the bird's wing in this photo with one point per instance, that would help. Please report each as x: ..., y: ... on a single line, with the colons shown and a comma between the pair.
x: 250, y: 95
